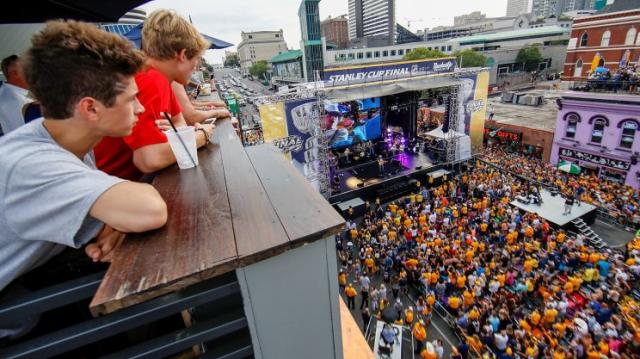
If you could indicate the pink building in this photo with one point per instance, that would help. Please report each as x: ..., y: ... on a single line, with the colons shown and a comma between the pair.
x: 599, y: 132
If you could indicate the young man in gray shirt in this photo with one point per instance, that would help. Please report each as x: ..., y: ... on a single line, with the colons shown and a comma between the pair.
x: 51, y: 194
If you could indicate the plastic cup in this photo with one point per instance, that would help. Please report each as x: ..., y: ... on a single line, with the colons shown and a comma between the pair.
x: 188, y: 136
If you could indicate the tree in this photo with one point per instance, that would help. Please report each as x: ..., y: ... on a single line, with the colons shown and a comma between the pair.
x: 422, y: 53
x: 232, y: 61
x: 470, y: 58
x: 258, y: 69
x: 530, y: 57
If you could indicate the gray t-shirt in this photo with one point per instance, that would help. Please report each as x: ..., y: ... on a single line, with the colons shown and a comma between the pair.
x: 46, y: 193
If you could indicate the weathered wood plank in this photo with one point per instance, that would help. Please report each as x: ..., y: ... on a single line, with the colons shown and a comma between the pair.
x: 196, y: 243
x: 304, y: 213
x: 256, y: 225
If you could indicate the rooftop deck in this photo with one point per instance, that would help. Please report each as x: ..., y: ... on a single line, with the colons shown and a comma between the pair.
x: 238, y: 207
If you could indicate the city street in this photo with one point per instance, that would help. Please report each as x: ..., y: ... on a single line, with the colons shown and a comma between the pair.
x: 249, y: 113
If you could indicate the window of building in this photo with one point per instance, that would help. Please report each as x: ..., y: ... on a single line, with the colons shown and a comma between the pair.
x: 449, y: 48
x: 360, y: 55
x: 277, y: 35
x: 400, y: 52
x: 351, y: 56
x: 385, y: 53
x: 598, y: 130
x: 572, y: 123
x: 251, y: 36
x: 376, y: 54
x: 393, y: 52
x: 584, y: 39
x: 442, y: 48
x: 631, y: 36
x: 578, y: 70
x: 629, y: 129
x: 368, y: 54
x: 605, y: 38
x: 408, y: 51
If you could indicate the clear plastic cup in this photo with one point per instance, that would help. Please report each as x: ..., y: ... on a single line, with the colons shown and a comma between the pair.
x: 188, y: 136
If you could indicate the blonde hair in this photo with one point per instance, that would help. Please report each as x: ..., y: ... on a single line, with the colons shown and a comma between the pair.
x: 165, y: 33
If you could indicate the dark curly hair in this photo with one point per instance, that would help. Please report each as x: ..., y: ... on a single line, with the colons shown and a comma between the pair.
x: 69, y: 60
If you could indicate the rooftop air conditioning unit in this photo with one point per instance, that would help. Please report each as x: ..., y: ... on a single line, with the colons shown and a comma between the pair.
x: 507, y: 97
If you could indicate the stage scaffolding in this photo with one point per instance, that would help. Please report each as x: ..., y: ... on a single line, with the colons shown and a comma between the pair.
x: 321, y: 167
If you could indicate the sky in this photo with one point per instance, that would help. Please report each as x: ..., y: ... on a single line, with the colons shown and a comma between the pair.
x: 226, y: 19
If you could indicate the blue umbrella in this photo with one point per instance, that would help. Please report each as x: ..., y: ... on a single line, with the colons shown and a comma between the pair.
x: 601, y: 69
x: 135, y: 36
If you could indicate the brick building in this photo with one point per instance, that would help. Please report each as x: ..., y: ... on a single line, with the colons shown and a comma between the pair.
x: 336, y: 30
x: 610, y: 32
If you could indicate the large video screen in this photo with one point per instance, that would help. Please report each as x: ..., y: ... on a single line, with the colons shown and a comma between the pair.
x: 353, y: 122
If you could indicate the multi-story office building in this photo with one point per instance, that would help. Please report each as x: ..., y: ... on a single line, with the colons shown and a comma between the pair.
x: 372, y: 18
x: 259, y: 45
x: 312, y: 42
x: 608, y: 35
x: 517, y: 7
x: 336, y: 30
x: 547, y: 8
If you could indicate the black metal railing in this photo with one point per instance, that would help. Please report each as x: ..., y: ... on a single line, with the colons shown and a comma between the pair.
x: 220, y: 333
x: 615, y: 86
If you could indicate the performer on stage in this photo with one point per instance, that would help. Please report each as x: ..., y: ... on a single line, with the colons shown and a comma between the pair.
x: 381, y: 163
x: 347, y: 153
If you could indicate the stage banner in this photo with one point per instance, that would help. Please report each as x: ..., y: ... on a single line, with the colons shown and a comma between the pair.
x: 477, y: 109
x: 302, y: 129
x: 273, y: 121
x: 390, y: 71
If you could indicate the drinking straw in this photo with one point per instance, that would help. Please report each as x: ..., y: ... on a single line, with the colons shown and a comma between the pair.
x: 166, y: 115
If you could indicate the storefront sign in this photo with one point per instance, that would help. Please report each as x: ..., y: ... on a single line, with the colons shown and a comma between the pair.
x: 355, y: 75
x: 591, y: 158
x: 503, y: 135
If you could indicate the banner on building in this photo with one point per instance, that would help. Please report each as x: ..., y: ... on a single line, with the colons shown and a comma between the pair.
x: 390, y: 71
x: 591, y: 158
x: 472, y: 100
x: 303, y: 129
x: 274, y: 125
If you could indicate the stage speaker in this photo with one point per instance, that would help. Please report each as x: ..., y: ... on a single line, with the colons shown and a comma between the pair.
x: 361, y: 184
x: 418, y: 167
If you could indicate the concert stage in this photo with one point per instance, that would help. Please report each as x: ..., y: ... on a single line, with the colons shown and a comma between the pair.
x: 552, y: 210
x: 365, y: 180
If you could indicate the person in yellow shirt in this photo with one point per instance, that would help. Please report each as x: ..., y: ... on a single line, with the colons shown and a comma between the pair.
x: 419, y: 334
x: 535, y: 317
x: 454, y: 304
x: 351, y: 293
x: 342, y: 280
x: 559, y: 353
x: 467, y: 298
x: 427, y: 354
x: 461, y: 280
x: 408, y: 316
x: 550, y: 315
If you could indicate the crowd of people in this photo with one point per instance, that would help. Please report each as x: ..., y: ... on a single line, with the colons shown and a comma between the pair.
x: 514, y: 286
x: 619, y: 200
x: 625, y: 79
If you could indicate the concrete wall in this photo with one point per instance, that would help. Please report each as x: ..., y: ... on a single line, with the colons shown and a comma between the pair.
x: 291, y: 303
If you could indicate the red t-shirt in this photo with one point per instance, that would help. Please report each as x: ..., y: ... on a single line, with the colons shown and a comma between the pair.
x: 114, y: 155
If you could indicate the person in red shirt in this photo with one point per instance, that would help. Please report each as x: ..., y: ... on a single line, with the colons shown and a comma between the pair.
x: 174, y: 49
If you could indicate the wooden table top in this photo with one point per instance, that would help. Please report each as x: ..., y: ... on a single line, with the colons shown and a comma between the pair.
x: 237, y: 207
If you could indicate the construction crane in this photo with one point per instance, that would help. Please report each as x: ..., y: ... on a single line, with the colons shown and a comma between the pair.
x: 409, y: 21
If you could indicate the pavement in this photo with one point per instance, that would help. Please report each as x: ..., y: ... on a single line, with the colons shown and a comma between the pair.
x: 613, y: 235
